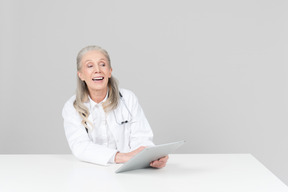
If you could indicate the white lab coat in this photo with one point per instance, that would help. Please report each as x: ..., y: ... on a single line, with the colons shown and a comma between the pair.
x: 128, y: 136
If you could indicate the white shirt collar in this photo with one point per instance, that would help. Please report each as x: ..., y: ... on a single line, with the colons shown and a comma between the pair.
x: 93, y: 103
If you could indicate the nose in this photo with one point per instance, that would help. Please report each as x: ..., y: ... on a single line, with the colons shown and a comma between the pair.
x: 97, y: 69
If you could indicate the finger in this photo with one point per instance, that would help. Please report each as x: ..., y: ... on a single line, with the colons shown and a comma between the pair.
x: 137, y: 150
x: 158, y: 164
x: 164, y: 159
x: 134, y: 152
x: 140, y: 149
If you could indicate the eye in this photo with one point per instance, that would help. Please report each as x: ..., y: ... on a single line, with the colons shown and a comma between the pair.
x: 102, y: 64
x: 89, y: 65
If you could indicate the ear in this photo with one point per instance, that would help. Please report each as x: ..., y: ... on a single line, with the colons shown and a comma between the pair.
x: 79, y: 75
x: 110, y: 73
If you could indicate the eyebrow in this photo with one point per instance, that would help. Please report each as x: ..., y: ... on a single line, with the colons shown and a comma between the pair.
x: 102, y: 59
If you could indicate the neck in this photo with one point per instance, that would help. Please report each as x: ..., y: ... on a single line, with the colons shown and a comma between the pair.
x: 98, y: 95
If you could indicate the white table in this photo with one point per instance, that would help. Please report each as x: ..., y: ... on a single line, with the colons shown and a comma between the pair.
x: 184, y: 172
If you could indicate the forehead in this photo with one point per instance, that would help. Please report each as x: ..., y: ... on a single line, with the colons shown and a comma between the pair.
x: 93, y: 55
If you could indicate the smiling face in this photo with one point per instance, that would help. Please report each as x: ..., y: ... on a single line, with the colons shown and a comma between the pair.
x: 95, y: 71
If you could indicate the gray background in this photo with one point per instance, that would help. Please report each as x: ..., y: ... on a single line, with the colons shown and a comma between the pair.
x: 211, y: 72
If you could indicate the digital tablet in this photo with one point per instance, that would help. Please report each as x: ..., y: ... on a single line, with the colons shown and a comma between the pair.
x: 146, y: 156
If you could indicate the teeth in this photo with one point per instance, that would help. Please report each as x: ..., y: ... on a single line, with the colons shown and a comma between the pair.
x: 98, y: 78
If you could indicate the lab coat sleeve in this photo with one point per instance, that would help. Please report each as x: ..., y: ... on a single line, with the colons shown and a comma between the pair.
x: 79, y: 142
x: 141, y: 133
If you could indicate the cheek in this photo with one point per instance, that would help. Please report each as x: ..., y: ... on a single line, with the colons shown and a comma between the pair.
x: 88, y: 71
x: 84, y: 74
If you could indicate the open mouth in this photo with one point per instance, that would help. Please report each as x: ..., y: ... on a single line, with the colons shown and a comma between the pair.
x: 98, y: 78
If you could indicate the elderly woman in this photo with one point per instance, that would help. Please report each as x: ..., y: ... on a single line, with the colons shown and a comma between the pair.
x: 104, y: 124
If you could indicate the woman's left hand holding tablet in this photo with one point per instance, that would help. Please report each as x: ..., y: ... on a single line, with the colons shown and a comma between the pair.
x: 124, y: 157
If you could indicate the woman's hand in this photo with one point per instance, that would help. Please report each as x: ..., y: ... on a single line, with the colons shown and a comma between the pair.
x: 160, y: 163
x: 124, y: 157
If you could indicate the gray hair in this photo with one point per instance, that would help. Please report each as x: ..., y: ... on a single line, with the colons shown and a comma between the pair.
x: 82, y: 90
